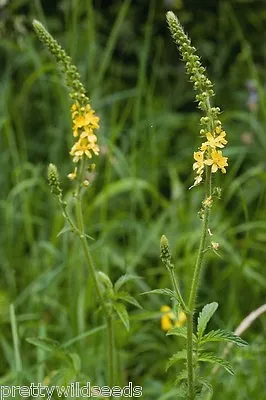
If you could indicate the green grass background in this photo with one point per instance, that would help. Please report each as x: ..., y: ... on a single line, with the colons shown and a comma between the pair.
x: 149, y: 130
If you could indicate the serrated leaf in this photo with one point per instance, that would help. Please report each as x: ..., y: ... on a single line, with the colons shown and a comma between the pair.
x: 178, y: 331
x: 122, y: 313
x: 166, y: 292
x: 124, y: 279
x: 129, y: 299
x: 204, y: 317
x: 44, y: 343
x: 221, y: 335
x: 180, y: 355
x: 205, y: 385
x: 212, y: 358
x: 181, y: 376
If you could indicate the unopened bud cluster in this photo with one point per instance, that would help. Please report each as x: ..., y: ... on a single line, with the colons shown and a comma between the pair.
x: 53, y: 180
x: 208, y: 154
x: 165, y: 254
x: 84, y: 120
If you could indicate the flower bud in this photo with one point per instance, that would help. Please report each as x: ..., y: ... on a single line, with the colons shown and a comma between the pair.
x: 53, y: 180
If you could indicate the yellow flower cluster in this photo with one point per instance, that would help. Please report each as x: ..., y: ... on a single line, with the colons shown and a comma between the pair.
x: 84, y: 124
x: 169, y: 320
x: 209, y: 155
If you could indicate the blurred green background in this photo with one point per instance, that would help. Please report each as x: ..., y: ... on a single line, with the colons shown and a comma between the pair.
x: 149, y: 130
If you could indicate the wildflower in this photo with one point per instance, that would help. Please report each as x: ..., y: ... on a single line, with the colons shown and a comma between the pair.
x: 217, y: 161
x: 215, y: 245
x: 181, y: 319
x: 211, y: 125
x: 169, y: 320
x: 199, y: 164
x: 84, y: 146
x: 73, y: 174
x: 84, y: 119
x: 84, y: 123
x: 213, y: 142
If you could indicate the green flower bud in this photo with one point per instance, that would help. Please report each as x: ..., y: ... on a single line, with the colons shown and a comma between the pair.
x: 72, y: 77
x: 165, y: 251
x: 53, y: 180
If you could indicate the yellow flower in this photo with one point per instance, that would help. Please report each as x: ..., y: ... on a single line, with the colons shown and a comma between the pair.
x: 83, y: 118
x: 199, y: 164
x: 213, y: 142
x: 217, y: 161
x: 73, y: 174
x: 169, y: 320
x: 197, y: 181
x: 215, y: 245
x: 84, y: 146
x: 181, y: 319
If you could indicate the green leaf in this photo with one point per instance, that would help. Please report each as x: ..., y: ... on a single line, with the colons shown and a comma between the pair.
x: 204, y: 317
x: 129, y: 299
x: 44, y: 343
x: 222, y: 336
x: 75, y: 361
x: 65, y: 229
x: 105, y: 280
x: 124, y: 279
x: 181, y: 376
x: 166, y: 292
x: 211, y: 358
x: 178, y: 331
x: 205, y: 385
x: 175, y: 393
x: 180, y: 355
x: 204, y: 388
x: 122, y: 313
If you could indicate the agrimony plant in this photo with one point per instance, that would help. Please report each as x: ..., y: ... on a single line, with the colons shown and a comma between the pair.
x: 85, y: 123
x: 208, y: 159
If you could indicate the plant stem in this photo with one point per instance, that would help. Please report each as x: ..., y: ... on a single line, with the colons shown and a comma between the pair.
x: 111, y: 351
x: 93, y: 272
x: 194, y: 288
x: 175, y: 285
x: 190, y: 371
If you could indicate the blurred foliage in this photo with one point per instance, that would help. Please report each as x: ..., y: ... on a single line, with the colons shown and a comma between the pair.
x: 149, y: 130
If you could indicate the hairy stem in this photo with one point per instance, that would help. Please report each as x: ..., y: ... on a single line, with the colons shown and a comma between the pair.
x: 194, y: 288
x: 175, y: 285
x: 190, y: 370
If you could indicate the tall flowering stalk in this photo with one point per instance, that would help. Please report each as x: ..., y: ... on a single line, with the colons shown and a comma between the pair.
x: 208, y: 159
x: 84, y: 124
x: 84, y: 120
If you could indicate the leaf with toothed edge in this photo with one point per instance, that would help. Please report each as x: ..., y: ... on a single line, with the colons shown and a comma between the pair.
x: 204, y: 317
x: 221, y: 335
x: 212, y: 358
x: 180, y: 355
